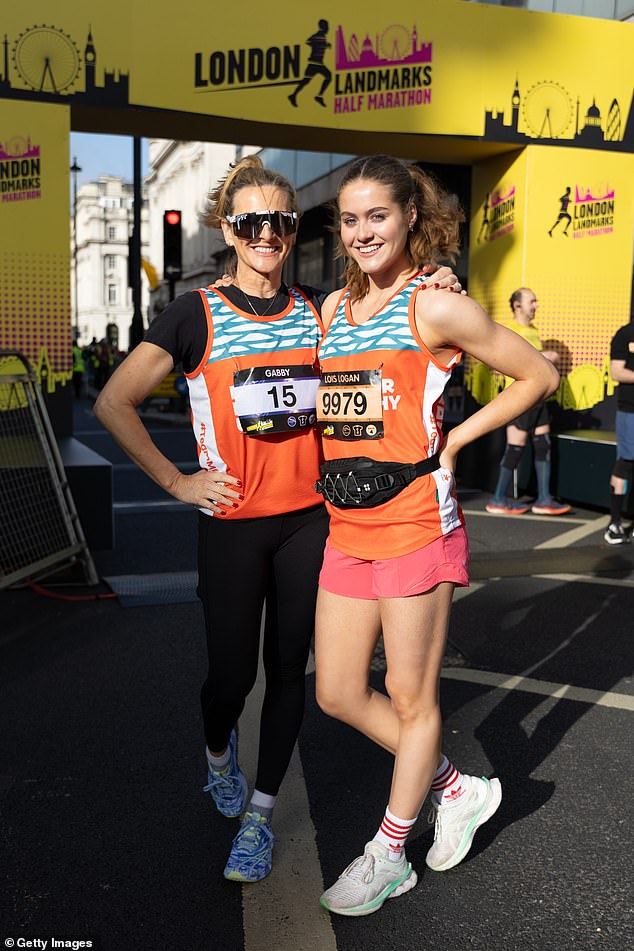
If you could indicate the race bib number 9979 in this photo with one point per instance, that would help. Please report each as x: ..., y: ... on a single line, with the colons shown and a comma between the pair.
x: 350, y: 405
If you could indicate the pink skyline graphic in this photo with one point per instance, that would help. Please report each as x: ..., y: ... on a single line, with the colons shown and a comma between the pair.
x: 584, y: 193
x: 394, y: 47
x: 497, y: 198
x: 32, y: 151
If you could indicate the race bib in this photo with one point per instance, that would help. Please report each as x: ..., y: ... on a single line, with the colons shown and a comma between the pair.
x: 350, y: 405
x: 274, y: 399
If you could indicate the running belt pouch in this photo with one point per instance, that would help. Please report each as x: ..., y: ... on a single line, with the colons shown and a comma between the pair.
x: 360, y: 482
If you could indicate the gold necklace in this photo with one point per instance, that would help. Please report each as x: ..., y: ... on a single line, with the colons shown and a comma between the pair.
x: 391, y: 293
x: 264, y: 312
x: 375, y: 310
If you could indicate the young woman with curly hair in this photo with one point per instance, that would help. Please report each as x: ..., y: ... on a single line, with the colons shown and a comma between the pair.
x: 397, y: 545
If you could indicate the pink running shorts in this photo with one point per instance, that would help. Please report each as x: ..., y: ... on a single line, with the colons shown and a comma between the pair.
x: 445, y: 559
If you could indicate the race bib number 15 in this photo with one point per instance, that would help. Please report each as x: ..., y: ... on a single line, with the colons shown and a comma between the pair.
x: 274, y: 399
x: 350, y: 405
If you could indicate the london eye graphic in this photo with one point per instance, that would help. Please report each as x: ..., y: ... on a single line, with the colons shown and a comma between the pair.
x: 551, y: 117
x: 548, y: 110
x: 396, y: 42
x: 47, y: 59
x: 44, y: 63
x: 16, y: 146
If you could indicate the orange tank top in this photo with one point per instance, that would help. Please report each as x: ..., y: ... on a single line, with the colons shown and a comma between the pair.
x: 381, y: 395
x: 253, y: 403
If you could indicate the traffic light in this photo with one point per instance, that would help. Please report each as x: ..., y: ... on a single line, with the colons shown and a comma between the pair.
x: 172, y: 245
x: 130, y: 256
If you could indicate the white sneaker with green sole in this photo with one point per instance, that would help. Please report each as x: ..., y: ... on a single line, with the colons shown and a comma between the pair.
x: 368, y: 881
x: 458, y: 822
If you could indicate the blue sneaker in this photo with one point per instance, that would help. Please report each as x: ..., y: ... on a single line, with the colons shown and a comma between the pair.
x: 251, y: 855
x: 228, y: 788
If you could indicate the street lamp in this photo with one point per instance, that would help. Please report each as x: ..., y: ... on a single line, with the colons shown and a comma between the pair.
x: 75, y: 169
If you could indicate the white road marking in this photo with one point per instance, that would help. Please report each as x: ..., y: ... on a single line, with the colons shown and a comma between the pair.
x: 132, y: 466
x: 529, y: 517
x: 475, y: 586
x: 590, y: 579
x: 576, y: 534
x: 282, y: 912
x: 159, y: 505
x: 607, y: 698
x: 460, y: 593
x: 547, y: 688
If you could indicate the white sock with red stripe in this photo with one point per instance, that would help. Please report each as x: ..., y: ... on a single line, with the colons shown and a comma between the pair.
x: 448, y: 785
x: 393, y: 833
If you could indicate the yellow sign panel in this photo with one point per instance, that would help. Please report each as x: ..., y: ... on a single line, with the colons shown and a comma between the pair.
x: 167, y: 387
x: 471, y: 78
x: 433, y: 67
x: 561, y: 223
x: 35, y: 237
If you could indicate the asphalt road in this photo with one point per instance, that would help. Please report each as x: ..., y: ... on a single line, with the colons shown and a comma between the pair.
x: 106, y: 835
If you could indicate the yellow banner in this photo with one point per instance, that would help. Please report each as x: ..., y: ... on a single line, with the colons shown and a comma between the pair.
x: 471, y: 79
x: 35, y: 236
x: 561, y: 223
x: 432, y: 67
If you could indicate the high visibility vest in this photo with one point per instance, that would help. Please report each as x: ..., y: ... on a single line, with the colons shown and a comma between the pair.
x: 78, y: 360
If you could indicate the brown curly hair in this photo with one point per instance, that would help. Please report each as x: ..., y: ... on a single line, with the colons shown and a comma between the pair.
x: 435, y: 232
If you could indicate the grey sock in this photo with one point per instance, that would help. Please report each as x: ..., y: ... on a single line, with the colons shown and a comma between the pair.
x: 218, y: 763
x: 262, y: 803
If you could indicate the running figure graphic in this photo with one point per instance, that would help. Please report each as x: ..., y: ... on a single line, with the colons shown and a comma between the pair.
x: 318, y: 46
x: 483, y: 233
x: 563, y: 212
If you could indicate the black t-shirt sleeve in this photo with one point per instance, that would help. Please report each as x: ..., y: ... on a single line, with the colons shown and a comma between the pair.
x: 314, y: 295
x: 181, y: 329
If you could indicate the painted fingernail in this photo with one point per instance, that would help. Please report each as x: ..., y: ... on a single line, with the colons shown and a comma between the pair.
x: 436, y: 286
x: 424, y: 287
x: 450, y: 288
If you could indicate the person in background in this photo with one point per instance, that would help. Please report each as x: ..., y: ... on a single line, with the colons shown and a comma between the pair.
x: 79, y: 367
x: 535, y: 423
x: 622, y: 372
x: 92, y: 361
x: 104, y: 358
x: 397, y: 545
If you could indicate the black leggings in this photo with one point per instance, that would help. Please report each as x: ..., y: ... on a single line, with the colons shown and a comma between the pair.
x: 242, y: 564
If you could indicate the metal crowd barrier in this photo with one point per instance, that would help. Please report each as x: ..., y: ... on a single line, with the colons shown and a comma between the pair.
x: 40, y: 532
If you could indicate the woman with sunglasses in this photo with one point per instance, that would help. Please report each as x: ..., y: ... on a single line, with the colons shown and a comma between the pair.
x: 397, y: 545
x: 249, y: 354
